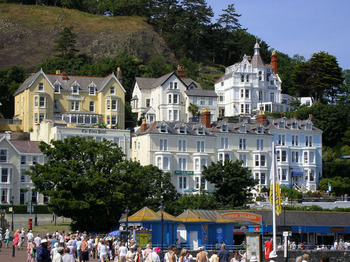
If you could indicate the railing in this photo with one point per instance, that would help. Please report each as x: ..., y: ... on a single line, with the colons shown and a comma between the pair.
x: 10, y: 122
x: 206, y: 247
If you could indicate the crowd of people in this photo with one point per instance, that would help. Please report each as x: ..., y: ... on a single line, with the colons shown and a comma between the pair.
x: 79, y: 247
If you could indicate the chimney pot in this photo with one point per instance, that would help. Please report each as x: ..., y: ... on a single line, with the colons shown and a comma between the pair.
x: 274, y: 61
x: 143, y: 125
x: 205, y: 117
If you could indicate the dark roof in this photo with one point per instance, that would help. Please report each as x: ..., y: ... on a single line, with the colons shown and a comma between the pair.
x: 201, y: 92
x: 302, y: 218
x: 274, y: 122
x: 84, y: 82
x: 26, y: 146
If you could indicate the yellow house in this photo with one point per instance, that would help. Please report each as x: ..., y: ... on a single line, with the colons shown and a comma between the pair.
x: 77, y: 100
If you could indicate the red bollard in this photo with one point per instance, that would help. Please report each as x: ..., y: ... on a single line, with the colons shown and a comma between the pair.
x: 30, y: 223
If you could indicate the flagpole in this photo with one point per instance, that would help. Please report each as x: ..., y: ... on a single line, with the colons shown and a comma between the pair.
x: 273, y: 195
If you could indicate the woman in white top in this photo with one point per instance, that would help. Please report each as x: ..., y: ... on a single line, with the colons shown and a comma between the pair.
x: 103, y: 251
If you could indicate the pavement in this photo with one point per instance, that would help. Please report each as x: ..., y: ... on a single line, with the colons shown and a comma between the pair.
x: 21, y: 220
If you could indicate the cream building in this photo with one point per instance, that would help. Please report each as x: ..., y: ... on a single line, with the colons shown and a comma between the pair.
x: 167, y: 98
x: 76, y: 100
x: 49, y: 130
x: 16, y: 157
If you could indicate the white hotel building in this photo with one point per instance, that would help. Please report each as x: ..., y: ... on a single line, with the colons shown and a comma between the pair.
x: 183, y: 148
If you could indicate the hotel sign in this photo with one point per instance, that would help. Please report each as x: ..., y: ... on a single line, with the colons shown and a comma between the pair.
x: 95, y: 131
x: 183, y: 173
x: 243, y: 216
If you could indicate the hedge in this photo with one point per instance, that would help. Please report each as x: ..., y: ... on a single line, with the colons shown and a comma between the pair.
x: 22, y: 209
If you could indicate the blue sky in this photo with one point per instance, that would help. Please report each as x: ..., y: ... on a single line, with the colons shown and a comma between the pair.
x: 299, y: 27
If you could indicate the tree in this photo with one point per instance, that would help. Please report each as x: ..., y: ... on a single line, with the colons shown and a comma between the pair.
x: 91, y: 183
x: 10, y: 80
x: 320, y: 77
x: 233, y: 182
x: 203, y: 200
x: 230, y: 19
x: 340, y: 185
x: 65, y: 45
x: 193, y: 109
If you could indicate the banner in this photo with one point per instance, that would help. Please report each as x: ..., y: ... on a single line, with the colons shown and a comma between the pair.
x: 274, y: 177
x: 277, y: 197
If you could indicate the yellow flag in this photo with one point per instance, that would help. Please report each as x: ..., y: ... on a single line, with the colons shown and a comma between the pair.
x: 274, y: 176
x: 277, y: 197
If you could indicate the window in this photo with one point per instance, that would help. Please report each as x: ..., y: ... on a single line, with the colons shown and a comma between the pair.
x: 3, y: 155
x: 163, y: 144
x: 182, y: 145
x: 295, y: 156
x: 41, y: 101
x: 202, y: 101
x: 312, y: 175
x: 182, y: 163
x: 195, y: 100
x: 278, y: 156
x: 247, y: 78
x: 224, y: 143
x: 197, y: 182
x: 312, y: 157
x: 247, y: 93
x: 242, y: 144
x: 224, y: 128
x: 148, y: 102
x: 295, y: 125
x: 92, y: 90
x: 295, y: 140
x: 36, y: 101
x: 308, y: 126
x: 224, y: 156
x: 263, y: 178
x: 281, y: 124
x: 114, y: 120
x: 75, y: 89
x: 56, y: 105
x: 23, y: 160
x: 41, y: 87
x: 200, y: 146
x: 247, y: 108
x: 34, y: 160
x: 221, y: 98
x: 260, y: 75
x: 210, y: 101
x: 260, y: 95
x: 260, y: 130
x: 272, y: 97
x: 112, y: 90
x: 200, y: 130
x: 243, y: 157
x: 57, y: 88
x: 176, y: 115
x: 281, y: 140
x: 306, y: 158
x: 92, y: 106
x: 284, y: 174
x: 166, y: 163
x: 243, y: 129
x: 284, y: 156
x: 173, y: 85
x: 182, y: 130
x: 114, y: 104
x: 4, y: 195
x: 6, y: 175
x: 74, y: 105
x: 163, y: 128
x: 260, y: 144
x: 242, y: 78
x: 308, y: 141
x: 170, y: 115
x: 182, y: 182
x: 36, y: 118
x: 41, y: 117
x: 242, y: 93
x: 260, y: 160
x: 23, y: 176
x: 108, y: 120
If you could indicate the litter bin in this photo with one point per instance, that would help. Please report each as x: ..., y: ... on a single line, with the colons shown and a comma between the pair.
x: 30, y: 223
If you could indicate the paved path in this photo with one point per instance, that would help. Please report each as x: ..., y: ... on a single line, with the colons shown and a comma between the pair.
x: 21, y: 220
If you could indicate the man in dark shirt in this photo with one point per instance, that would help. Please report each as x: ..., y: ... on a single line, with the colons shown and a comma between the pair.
x: 43, y: 254
x: 223, y: 254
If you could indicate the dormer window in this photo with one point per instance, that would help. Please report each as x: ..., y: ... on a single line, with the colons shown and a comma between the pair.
x: 57, y: 87
x: 112, y: 89
x: 163, y: 128
x: 281, y: 125
x: 260, y: 130
x: 308, y: 126
x: 224, y: 128
x: 295, y: 125
x: 92, y: 90
x: 173, y: 85
x: 41, y: 87
x: 243, y: 129
x: 182, y: 130
x: 75, y: 89
x: 200, y: 130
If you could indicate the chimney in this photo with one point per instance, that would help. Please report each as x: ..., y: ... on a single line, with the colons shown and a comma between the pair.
x: 261, y: 118
x: 64, y: 76
x: 181, y: 71
x: 143, y: 125
x: 119, y: 75
x: 274, y: 61
x: 205, y: 117
x: 311, y: 117
x: 58, y: 72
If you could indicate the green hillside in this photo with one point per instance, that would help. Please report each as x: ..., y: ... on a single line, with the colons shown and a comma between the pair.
x: 28, y: 33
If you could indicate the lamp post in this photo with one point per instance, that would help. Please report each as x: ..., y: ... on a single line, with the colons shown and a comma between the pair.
x: 291, y: 185
x: 12, y: 199
x: 127, y: 227
x: 36, y: 210
x: 161, y: 208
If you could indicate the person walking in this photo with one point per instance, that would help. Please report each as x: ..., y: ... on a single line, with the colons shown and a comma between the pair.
x: 31, y: 251
x: 223, y: 254
x: 7, y: 237
x: 16, y: 239
x: 235, y: 257
x: 84, y: 250
x: 201, y: 256
x: 58, y: 255
x: 43, y: 254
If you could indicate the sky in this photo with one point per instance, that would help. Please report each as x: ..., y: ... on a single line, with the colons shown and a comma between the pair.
x: 302, y: 27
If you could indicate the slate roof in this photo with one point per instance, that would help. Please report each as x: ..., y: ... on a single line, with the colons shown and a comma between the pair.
x: 274, y: 122
x: 201, y: 92
x: 84, y: 82
x: 26, y: 146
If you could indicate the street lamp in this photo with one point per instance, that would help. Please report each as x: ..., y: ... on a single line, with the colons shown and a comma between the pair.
x: 291, y: 185
x: 127, y: 227
x: 36, y: 210
x: 12, y: 199
x: 161, y: 208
